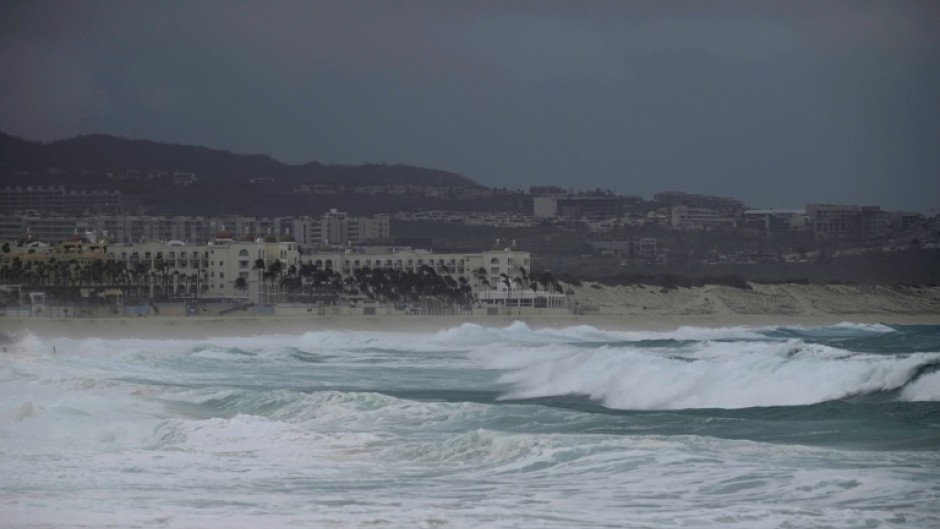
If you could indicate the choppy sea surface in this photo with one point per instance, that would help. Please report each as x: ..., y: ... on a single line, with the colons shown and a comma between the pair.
x: 476, y: 427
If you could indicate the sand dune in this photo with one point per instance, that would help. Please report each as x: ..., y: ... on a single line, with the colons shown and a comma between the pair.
x: 783, y: 300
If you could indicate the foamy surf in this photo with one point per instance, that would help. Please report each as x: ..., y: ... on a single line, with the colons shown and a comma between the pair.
x: 476, y: 427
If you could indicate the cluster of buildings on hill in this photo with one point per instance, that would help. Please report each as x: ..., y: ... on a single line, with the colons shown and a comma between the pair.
x: 53, y: 213
x: 218, y: 257
x: 607, y: 213
x: 333, y: 227
x: 695, y: 212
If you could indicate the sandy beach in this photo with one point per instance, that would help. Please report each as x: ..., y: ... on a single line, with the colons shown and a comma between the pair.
x: 611, y: 308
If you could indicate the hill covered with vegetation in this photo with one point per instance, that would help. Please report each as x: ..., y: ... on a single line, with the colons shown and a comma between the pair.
x: 186, y: 179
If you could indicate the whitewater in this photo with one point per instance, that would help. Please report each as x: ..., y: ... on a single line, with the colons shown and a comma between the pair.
x: 473, y: 426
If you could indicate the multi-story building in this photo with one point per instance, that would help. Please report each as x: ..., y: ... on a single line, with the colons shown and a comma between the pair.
x: 901, y: 221
x: 250, y: 269
x: 228, y: 268
x: 689, y: 218
x: 846, y: 222
x: 639, y: 249
x: 579, y: 206
x: 484, y: 268
x: 336, y: 227
x: 831, y: 221
x: 496, y: 277
x: 470, y: 218
x: 225, y: 268
x: 724, y: 205
x: 776, y: 220
x: 875, y: 222
x: 331, y: 228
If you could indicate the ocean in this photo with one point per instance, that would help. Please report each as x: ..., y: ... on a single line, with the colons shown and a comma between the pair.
x: 476, y: 427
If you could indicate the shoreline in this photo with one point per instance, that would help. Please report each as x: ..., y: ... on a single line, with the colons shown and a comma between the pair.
x: 169, y: 327
x: 613, y: 308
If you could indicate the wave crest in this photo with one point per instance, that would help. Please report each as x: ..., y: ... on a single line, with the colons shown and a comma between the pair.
x: 715, y: 375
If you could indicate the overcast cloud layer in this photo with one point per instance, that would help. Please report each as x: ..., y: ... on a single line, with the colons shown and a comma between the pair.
x: 778, y: 104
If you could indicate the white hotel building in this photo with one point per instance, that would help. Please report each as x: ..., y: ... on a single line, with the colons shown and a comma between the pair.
x: 210, y: 271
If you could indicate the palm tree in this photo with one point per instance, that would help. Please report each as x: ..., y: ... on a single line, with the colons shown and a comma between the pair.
x: 273, y: 275
x: 241, y: 284
x: 546, y: 279
x: 259, y: 266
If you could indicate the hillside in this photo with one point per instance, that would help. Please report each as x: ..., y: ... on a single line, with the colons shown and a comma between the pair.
x: 98, y: 154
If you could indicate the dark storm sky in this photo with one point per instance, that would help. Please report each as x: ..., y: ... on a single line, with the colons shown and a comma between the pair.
x: 776, y: 103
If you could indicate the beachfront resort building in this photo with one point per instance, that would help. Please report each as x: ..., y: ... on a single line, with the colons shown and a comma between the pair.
x: 487, y: 270
x: 225, y: 268
x: 267, y: 270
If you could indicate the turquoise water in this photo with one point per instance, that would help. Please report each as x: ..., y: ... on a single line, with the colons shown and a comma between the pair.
x: 477, y: 427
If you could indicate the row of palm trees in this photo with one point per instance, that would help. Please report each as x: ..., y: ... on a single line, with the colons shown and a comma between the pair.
x: 64, y: 279
x: 309, y: 282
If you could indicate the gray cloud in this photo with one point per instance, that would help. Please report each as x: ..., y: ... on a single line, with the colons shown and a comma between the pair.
x: 776, y: 103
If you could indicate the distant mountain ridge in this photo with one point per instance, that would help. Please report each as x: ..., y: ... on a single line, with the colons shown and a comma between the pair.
x: 102, y: 153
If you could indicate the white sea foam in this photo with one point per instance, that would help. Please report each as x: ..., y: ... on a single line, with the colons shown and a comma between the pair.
x: 715, y: 375
x: 344, y: 429
x: 520, y: 333
x: 925, y: 388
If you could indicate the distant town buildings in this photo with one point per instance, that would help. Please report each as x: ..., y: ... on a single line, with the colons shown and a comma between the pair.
x: 495, y: 219
x: 771, y: 221
x: 724, y: 205
x: 576, y: 206
x: 57, y: 200
x: 693, y: 218
x: 454, y: 192
x: 333, y: 227
x: 638, y: 250
x: 846, y: 222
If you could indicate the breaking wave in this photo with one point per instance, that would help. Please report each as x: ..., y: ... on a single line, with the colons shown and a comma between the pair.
x: 738, y: 374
